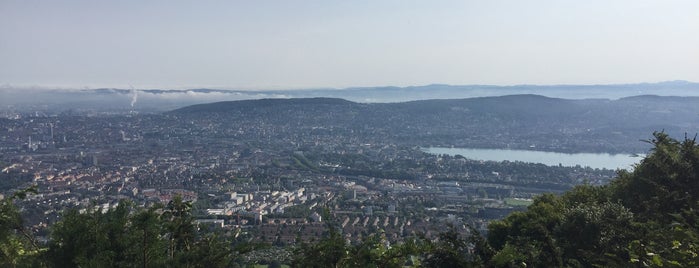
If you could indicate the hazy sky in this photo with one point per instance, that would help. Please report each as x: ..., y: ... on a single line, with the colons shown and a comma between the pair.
x: 299, y: 44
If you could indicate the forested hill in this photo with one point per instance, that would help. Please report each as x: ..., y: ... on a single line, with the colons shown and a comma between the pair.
x: 515, y: 121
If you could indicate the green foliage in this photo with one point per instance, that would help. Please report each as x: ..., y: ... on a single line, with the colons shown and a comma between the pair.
x: 375, y: 251
x: 179, y: 226
x: 274, y: 264
x: 147, y: 249
x: 449, y: 251
x: 17, y: 247
x: 94, y: 239
x: 209, y: 251
x: 517, y: 202
x: 326, y: 253
x: 674, y: 245
x: 666, y: 181
x: 127, y: 236
x: 647, y: 217
x: 594, y: 234
x: 509, y: 256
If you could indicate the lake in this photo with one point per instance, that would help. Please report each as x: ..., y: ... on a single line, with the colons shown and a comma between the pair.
x: 608, y: 161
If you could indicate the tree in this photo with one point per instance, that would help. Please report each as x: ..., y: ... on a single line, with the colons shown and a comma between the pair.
x: 207, y: 252
x: 325, y: 253
x: 126, y: 236
x: 148, y: 248
x: 647, y: 217
x: 595, y: 234
x: 666, y: 181
x: 375, y: 251
x: 184, y: 247
x: 93, y: 238
x: 274, y: 264
x: 179, y: 226
x: 530, y: 233
x: 17, y: 246
x: 449, y: 251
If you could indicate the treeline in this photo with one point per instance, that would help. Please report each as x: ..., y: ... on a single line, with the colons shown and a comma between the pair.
x: 645, y: 218
x: 125, y: 236
x: 451, y: 249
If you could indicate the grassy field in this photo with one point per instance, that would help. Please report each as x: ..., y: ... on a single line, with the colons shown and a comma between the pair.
x: 518, y: 202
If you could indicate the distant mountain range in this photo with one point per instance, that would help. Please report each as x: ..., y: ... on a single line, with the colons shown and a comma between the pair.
x: 166, y: 99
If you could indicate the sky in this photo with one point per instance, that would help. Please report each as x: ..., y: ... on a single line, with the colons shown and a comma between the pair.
x: 336, y: 44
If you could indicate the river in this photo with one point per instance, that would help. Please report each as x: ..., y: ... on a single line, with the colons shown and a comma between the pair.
x: 608, y: 161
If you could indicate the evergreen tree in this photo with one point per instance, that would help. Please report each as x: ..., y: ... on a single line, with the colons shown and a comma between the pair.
x: 179, y: 226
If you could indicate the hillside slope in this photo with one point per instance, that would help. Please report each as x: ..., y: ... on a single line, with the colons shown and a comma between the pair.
x: 516, y: 121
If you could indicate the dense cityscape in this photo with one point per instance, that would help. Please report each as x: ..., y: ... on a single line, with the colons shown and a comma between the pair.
x: 264, y: 182
x: 280, y: 174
